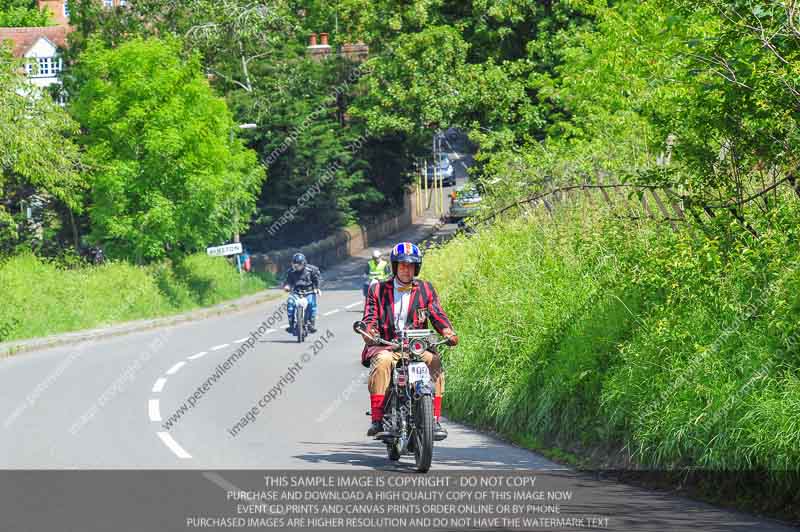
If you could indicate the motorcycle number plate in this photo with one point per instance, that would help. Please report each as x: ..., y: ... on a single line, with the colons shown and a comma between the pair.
x: 418, y: 371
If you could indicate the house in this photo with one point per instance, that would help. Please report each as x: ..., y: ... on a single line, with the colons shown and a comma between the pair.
x: 40, y: 46
x: 358, y: 52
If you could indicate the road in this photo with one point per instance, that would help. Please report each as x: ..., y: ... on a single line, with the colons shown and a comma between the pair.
x: 107, y: 404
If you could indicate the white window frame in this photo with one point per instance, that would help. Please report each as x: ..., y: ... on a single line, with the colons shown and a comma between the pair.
x: 46, y: 67
x: 66, y: 8
x: 108, y: 3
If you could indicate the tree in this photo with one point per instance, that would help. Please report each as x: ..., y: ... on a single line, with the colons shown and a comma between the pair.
x: 37, y: 152
x: 165, y: 176
x: 253, y: 55
x: 22, y: 14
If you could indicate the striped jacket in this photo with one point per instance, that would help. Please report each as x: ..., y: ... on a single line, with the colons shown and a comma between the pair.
x: 424, y: 312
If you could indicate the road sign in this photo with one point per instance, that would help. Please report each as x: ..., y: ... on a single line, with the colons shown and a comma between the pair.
x: 222, y: 251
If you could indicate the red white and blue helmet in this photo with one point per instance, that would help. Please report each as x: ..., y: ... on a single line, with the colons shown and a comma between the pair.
x: 406, y: 252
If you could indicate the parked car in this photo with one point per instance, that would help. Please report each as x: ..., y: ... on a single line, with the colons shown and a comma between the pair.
x: 445, y: 169
x: 466, y: 202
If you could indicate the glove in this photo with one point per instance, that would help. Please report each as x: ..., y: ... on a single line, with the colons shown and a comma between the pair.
x: 452, y: 338
x: 374, y: 333
x: 318, y: 292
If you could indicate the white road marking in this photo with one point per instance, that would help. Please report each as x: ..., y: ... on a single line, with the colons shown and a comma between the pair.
x: 173, y: 445
x: 153, y: 410
x: 241, y: 340
x: 174, y: 369
x: 351, y: 305
x: 332, y: 312
x: 218, y: 347
x: 159, y: 385
x: 198, y: 355
x: 217, y: 479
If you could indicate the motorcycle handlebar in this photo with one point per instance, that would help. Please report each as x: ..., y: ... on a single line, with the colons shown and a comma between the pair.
x: 361, y: 328
x: 304, y: 292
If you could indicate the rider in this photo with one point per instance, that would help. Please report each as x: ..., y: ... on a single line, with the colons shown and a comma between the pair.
x: 377, y: 270
x: 399, y: 303
x: 302, y: 276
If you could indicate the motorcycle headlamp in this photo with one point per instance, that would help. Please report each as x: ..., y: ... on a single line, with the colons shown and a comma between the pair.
x: 417, y: 347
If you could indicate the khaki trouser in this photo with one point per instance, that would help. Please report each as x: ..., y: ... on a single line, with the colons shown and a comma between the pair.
x: 380, y: 373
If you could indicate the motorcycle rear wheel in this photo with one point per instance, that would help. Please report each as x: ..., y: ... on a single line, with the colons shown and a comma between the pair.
x: 423, y: 433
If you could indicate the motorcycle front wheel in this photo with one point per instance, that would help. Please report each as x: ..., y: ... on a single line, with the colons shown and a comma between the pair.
x: 423, y: 433
x: 393, y: 450
x: 300, y: 320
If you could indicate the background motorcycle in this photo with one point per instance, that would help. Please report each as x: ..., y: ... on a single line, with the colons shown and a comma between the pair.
x: 302, y: 314
x: 408, y: 406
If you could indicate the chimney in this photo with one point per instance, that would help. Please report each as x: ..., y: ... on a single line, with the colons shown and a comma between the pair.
x: 357, y: 52
x: 318, y: 51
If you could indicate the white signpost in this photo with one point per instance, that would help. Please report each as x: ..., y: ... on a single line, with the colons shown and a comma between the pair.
x: 224, y: 251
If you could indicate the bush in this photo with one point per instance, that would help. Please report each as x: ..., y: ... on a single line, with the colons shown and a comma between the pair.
x: 584, y: 330
x: 43, y: 298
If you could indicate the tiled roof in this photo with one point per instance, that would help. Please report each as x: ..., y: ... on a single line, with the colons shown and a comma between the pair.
x: 24, y: 38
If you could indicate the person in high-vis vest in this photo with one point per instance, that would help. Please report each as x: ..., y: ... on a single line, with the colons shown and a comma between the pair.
x: 377, y: 270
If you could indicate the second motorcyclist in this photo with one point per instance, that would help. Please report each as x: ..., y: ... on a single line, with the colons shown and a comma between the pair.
x: 302, y: 276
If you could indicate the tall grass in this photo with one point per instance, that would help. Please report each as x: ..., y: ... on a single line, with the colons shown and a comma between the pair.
x: 583, y: 329
x: 40, y: 298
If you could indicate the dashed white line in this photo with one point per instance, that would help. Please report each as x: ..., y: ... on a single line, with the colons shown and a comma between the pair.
x: 198, y: 355
x: 174, y: 369
x: 220, y: 481
x: 241, y: 340
x: 159, y: 385
x: 332, y: 312
x: 153, y: 410
x: 173, y: 445
x: 351, y: 305
x: 218, y: 347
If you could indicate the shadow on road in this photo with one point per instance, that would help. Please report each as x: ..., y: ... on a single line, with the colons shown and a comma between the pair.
x: 373, y: 454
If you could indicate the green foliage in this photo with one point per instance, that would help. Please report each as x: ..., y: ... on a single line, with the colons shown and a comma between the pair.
x: 22, y: 14
x: 601, y: 332
x: 166, y: 174
x: 38, y: 154
x: 708, y: 88
x: 411, y: 90
x: 309, y: 146
x: 46, y: 297
x: 255, y: 59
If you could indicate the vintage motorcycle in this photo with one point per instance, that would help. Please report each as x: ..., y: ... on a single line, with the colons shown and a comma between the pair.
x: 408, y: 406
x: 302, y: 314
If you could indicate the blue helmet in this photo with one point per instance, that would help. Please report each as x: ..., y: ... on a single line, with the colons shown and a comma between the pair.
x: 298, y: 261
x: 406, y: 252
